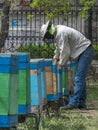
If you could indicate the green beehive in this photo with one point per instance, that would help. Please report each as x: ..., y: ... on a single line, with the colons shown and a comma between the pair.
x: 74, y: 68
x: 24, y: 83
x: 24, y: 87
x: 8, y: 84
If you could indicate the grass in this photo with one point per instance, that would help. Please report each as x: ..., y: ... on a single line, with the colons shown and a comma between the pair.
x: 63, y: 122
x: 71, y: 119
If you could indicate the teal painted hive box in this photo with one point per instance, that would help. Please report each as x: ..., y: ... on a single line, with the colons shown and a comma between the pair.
x: 65, y: 87
x: 43, y: 82
x: 8, y: 90
x: 41, y: 76
x: 59, y: 82
x: 36, y: 90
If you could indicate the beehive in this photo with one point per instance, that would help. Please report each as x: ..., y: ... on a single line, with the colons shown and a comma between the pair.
x: 51, y: 80
x: 70, y: 77
x: 35, y: 78
x: 54, y: 95
x: 65, y: 87
x: 43, y: 82
x: 49, y: 77
x: 59, y: 82
x: 24, y: 83
x: 8, y: 90
x: 74, y: 68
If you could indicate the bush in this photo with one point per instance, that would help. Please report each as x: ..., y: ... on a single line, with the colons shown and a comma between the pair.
x: 38, y: 51
x: 46, y: 51
x: 96, y: 52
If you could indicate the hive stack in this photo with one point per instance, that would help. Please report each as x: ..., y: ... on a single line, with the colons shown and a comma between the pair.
x: 59, y: 82
x: 35, y: 83
x: 74, y: 68
x: 43, y: 82
x: 8, y: 90
x: 49, y: 78
x: 55, y: 83
x: 65, y: 87
x: 24, y: 83
x: 70, y: 77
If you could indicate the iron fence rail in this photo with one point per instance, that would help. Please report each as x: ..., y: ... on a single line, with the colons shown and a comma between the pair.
x: 24, y: 26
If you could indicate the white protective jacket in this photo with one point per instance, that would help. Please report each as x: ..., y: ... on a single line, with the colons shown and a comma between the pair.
x: 70, y: 43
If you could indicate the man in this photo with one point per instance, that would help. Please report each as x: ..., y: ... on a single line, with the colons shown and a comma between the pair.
x: 71, y: 44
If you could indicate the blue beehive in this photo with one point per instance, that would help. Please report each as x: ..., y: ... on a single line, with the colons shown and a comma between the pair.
x: 65, y: 87
x: 49, y: 78
x: 8, y: 90
x: 55, y: 95
x: 35, y: 79
x: 43, y: 82
x: 74, y: 68
x: 70, y: 77
x: 59, y: 82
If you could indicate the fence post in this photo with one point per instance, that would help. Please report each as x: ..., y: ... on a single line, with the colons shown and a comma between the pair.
x: 90, y: 25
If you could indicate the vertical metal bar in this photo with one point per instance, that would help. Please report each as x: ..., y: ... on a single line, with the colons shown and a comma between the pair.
x: 35, y: 28
x: 96, y: 26
x: 76, y: 14
x: 71, y: 18
x: 17, y: 20
x: 12, y: 31
x: 30, y: 26
x: 90, y: 25
x: 25, y: 26
x: 39, y: 13
x: 21, y: 37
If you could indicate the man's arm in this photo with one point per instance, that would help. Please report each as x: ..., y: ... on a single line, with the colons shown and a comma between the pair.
x: 64, y: 50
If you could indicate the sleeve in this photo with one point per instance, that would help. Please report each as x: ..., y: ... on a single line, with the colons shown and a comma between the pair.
x: 56, y: 52
x: 64, y: 48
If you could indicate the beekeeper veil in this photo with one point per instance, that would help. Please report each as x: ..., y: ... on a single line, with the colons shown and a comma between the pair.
x: 47, y: 31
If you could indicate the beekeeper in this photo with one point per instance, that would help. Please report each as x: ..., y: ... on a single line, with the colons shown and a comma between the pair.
x: 70, y: 43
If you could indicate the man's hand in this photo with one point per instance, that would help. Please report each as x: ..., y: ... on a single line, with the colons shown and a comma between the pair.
x: 61, y: 66
x: 55, y: 61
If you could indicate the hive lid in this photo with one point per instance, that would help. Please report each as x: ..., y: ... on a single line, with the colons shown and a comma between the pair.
x: 7, y: 58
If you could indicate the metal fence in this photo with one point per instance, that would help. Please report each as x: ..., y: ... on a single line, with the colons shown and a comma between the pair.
x: 26, y: 32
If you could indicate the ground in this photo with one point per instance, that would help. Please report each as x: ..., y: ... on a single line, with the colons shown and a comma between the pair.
x: 72, y: 119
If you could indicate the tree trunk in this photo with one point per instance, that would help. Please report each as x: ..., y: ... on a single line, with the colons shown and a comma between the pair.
x: 4, y: 23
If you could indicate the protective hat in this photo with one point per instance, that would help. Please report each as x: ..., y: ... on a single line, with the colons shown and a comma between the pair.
x: 48, y: 27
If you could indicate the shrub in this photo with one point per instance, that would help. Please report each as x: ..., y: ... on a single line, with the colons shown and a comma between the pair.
x: 96, y: 52
x: 38, y: 51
